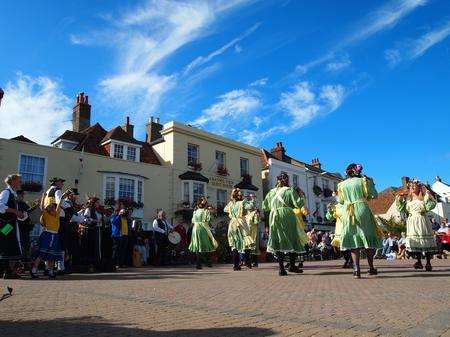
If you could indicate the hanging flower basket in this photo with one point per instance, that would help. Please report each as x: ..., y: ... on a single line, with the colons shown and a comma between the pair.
x: 31, y: 186
x: 317, y: 190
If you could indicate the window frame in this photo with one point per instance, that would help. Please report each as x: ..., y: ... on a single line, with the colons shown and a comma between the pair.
x: 116, y: 145
x: 190, y: 184
x: 241, y: 159
x: 198, y: 154
x: 117, y: 177
x: 44, y: 175
x: 134, y: 155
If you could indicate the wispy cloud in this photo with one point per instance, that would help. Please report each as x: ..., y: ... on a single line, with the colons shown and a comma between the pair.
x: 412, y: 49
x: 40, y: 106
x: 385, y: 17
x: 259, y: 83
x: 339, y: 64
x: 382, y: 18
x: 231, y: 107
x: 142, y: 39
x: 233, y: 43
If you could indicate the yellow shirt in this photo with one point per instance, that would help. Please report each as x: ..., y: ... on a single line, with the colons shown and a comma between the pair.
x: 50, y: 222
x: 124, y: 225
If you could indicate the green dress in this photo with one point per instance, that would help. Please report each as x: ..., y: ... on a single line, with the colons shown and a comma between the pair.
x: 284, y: 233
x: 202, y: 240
x: 239, y: 237
x: 359, y: 226
x: 253, y: 220
x: 419, y: 232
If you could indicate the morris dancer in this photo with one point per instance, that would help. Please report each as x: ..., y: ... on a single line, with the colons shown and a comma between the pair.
x: 253, y: 219
x: 334, y: 212
x: 10, y: 246
x: 416, y: 202
x: 284, y: 233
x: 239, y: 237
x: 359, y: 227
x: 300, y: 213
x: 202, y: 240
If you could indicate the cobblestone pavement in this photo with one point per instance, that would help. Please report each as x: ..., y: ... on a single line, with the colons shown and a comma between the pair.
x: 324, y: 301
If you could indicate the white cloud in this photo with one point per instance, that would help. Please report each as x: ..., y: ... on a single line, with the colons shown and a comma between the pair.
x: 204, y: 59
x: 414, y: 48
x: 238, y: 49
x: 338, y: 65
x: 36, y: 108
x: 259, y: 83
x: 234, y: 106
x: 142, y: 39
x: 304, y: 103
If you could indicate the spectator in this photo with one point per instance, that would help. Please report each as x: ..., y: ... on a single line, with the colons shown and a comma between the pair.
x: 443, y: 228
x: 434, y: 224
x: 402, y: 247
x: 120, y: 228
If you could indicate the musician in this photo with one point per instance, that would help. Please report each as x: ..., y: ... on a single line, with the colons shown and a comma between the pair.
x: 55, y: 191
x: 120, y: 230
x: 93, y: 220
x: 162, y: 228
x: 25, y: 225
x: 10, y: 247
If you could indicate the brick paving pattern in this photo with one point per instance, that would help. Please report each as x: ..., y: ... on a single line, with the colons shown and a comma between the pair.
x: 170, y: 302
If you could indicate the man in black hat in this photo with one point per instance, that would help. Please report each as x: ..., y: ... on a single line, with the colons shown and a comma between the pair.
x: 55, y: 191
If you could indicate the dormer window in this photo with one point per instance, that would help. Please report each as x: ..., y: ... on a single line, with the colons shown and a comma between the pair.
x: 125, y: 151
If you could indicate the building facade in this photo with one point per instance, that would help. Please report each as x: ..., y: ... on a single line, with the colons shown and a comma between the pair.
x: 317, y: 183
x: 202, y: 163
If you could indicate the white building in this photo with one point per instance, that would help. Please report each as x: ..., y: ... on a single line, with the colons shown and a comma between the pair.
x: 317, y: 183
x: 442, y: 209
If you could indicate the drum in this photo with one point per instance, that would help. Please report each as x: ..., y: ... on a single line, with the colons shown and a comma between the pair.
x: 174, y: 238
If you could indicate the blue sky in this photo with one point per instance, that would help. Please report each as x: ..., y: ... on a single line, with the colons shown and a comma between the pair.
x: 352, y: 81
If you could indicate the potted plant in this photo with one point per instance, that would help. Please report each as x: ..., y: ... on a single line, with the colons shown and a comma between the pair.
x: 317, y: 190
x: 31, y: 186
x: 222, y: 170
x: 246, y: 178
x: 196, y: 166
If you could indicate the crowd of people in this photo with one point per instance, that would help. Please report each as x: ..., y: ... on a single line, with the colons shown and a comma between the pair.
x: 87, y: 236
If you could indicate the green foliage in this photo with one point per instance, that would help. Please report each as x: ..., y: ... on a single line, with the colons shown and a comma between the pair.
x: 392, y: 226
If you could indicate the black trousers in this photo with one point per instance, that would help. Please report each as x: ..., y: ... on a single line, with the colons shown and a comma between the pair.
x: 120, y: 250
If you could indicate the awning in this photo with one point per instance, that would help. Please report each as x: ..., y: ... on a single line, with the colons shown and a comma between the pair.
x: 246, y: 186
x: 189, y: 175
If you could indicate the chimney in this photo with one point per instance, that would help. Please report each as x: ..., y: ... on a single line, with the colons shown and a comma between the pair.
x: 81, y: 115
x: 316, y: 163
x: 279, y: 152
x: 128, y: 128
x: 153, y: 130
x: 405, y: 181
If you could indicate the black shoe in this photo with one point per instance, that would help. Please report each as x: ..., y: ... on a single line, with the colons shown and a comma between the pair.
x: 255, y: 264
x: 282, y: 272
x: 373, y: 271
x: 199, y: 266
x: 428, y: 267
x: 418, y: 265
x: 356, y: 274
x: 209, y: 265
x: 237, y: 268
x: 46, y: 272
x: 295, y: 269
x: 300, y: 265
x: 248, y: 265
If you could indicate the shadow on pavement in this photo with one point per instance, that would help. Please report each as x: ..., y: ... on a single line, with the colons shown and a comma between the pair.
x: 97, y: 326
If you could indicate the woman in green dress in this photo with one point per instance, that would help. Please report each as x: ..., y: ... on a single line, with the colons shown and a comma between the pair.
x: 202, y: 240
x: 359, y: 228
x: 416, y: 202
x: 284, y: 233
x: 253, y: 219
x: 239, y: 237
